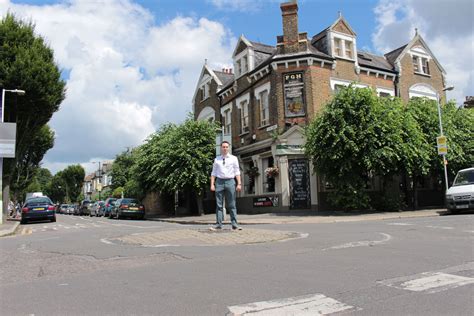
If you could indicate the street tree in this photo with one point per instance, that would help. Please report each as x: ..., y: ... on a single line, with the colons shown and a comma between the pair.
x: 122, y: 168
x: 73, y: 177
x: 178, y: 157
x: 27, y: 63
x: 358, y: 136
x: 26, y: 166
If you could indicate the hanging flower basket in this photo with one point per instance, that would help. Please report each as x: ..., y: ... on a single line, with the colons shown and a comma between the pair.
x: 272, y: 172
x: 252, y: 172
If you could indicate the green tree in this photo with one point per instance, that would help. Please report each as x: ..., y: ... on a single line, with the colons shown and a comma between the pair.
x: 27, y: 165
x: 458, y: 126
x: 122, y: 168
x: 27, y: 63
x: 117, y: 193
x: 56, y: 189
x: 358, y: 136
x: 73, y: 177
x: 178, y: 157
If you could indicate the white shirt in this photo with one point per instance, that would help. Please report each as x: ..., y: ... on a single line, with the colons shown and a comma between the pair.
x: 225, y: 167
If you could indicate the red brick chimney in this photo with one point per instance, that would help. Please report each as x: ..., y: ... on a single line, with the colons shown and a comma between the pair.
x: 291, y: 41
x: 289, y: 14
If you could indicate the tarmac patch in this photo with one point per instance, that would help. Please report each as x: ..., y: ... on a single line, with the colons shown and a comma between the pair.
x: 204, y: 237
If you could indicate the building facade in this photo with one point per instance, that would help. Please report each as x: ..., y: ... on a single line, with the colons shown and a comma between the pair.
x: 273, y: 92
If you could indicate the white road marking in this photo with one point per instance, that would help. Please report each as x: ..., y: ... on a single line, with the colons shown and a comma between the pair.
x: 105, y: 241
x: 440, y: 227
x: 314, y: 304
x: 436, y: 280
x: 366, y: 243
x: 400, y: 224
x: 433, y: 281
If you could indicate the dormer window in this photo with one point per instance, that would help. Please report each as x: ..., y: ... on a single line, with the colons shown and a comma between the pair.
x: 343, y: 46
x: 206, y: 91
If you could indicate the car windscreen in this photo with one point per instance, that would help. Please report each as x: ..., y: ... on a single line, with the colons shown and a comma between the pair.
x: 40, y: 200
x: 130, y: 201
x: 464, y: 178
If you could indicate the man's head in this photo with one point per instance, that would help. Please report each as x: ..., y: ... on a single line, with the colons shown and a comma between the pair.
x: 225, y: 148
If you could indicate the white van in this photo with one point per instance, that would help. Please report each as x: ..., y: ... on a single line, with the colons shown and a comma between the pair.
x: 460, y: 195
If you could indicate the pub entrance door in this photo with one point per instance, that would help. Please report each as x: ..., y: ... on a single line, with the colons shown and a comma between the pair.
x: 300, y: 192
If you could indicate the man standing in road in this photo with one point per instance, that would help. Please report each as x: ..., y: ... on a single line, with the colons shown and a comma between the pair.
x: 225, y: 171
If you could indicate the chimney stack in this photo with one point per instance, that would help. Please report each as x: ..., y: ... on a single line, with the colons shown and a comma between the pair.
x: 289, y: 13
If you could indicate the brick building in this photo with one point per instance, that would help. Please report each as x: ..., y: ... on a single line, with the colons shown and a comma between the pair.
x: 274, y: 91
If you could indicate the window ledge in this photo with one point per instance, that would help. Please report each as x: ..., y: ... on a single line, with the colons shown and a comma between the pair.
x: 422, y: 74
x: 243, y: 134
x: 344, y: 58
x: 264, y: 126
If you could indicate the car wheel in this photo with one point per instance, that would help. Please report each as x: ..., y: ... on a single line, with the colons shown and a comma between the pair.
x: 53, y: 219
x: 23, y: 221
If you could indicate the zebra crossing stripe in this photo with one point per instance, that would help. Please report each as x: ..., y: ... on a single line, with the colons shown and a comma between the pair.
x: 313, y: 304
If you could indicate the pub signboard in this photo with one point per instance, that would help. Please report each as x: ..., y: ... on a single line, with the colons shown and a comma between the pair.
x: 293, y: 85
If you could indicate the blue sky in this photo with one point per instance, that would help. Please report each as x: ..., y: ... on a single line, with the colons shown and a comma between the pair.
x: 139, y: 60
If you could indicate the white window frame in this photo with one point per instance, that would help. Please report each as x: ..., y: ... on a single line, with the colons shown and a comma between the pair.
x: 343, y: 38
x: 422, y: 90
x: 334, y: 82
x: 226, y: 112
x: 244, y: 62
x: 258, y: 92
x: 389, y: 91
x: 240, y: 102
x: 421, y: 54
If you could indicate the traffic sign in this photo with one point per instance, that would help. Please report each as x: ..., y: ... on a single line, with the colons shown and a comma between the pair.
x: 441, y: 142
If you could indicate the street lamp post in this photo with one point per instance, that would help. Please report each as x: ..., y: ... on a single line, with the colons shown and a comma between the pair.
x: 19, y: 92
x: 438, y: 101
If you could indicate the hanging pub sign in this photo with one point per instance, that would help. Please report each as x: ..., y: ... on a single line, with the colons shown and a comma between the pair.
x: 294, y: 97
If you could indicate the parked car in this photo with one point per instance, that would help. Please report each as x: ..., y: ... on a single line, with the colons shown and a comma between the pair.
x: 109, y: 203
x: 95, y: 209
x: 127, y: 207
x: 84, y: 207
x: 63, y: 209
x: 77, y: 210
x: 460, y: 196
x: 38, y: 208
x: 70, y: 209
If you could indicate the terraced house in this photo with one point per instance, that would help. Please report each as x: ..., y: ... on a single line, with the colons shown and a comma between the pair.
x: 274, y: 91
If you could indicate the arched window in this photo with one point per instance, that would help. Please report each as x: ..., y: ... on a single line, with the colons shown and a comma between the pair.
x: 422, y: 90
x: 207, y: 114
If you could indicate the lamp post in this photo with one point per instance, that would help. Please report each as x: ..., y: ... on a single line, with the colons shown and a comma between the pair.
x: 19, y: 92
x: 438, y: 101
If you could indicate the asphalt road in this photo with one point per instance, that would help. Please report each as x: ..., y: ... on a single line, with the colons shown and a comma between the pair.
x: 80, y: 266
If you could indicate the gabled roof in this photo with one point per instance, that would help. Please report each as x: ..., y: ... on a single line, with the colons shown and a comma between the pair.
x: 243, y: 40
x: 407, y: 47
x: 341, y: 19
x: 393, y: 55
x: 212, y: 74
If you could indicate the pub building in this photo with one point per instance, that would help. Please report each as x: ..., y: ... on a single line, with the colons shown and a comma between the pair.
x: 273, y: 92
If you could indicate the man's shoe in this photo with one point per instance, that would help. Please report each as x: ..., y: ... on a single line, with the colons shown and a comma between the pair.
x: 236, y: 228
x: 215, y: 228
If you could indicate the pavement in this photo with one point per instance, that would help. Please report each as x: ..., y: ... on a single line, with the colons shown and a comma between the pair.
x: 8, y: 227
x: 300, y: 217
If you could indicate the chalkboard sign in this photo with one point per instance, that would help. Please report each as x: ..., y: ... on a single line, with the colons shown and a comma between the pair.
x: 300, y: 194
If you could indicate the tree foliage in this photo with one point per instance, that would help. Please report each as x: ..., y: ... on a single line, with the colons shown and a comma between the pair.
x: 358, y: 136
x: 122, y: 168
x: 27, y: 63
x: 178, y: 157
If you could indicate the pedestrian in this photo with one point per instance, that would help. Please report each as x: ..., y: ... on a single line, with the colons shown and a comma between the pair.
x: 225, y: 173
x: 11, y: 208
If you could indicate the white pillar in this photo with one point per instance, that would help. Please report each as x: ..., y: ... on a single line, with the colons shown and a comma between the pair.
x: 284, y: 181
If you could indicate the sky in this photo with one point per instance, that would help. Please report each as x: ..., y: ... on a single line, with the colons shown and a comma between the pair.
x: 131, y: 66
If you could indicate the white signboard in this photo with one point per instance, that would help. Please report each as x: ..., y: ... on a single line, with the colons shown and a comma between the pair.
x: 7, y: 140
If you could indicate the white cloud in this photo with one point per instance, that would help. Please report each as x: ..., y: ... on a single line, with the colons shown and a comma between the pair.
x: 128, y: 73
x: 447, y: 27
x: 242, y: 5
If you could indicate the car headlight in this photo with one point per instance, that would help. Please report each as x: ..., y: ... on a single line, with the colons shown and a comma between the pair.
x: 449, y: 197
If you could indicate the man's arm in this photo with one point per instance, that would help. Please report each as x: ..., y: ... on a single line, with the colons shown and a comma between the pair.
x: 239, y: 183
x: 213, y: 181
